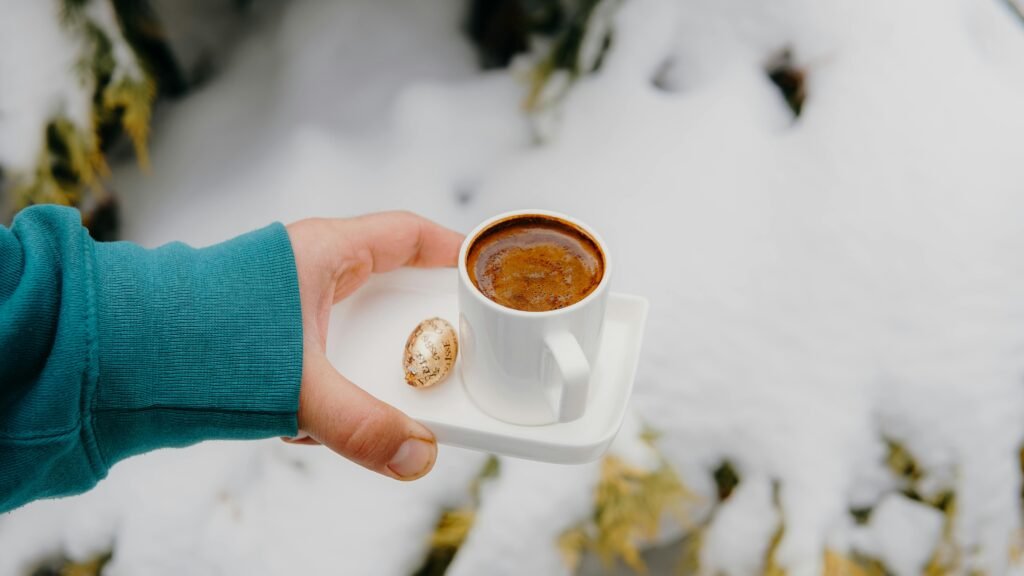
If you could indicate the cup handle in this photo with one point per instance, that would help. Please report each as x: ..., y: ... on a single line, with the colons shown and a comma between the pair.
x: 575, y: 371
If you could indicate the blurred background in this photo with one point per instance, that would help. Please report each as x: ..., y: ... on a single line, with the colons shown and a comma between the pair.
x: 821, y: 199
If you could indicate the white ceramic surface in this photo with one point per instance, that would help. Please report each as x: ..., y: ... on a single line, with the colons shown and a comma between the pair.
x: 368, y: 331
x: 531, y: 368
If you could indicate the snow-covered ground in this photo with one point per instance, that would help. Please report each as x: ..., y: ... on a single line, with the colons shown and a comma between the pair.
x: 818, y: 284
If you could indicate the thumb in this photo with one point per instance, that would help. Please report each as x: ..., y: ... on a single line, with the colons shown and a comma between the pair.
x: 348, y: 420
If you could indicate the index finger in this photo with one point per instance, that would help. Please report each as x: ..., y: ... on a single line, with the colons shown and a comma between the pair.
x: 396, y: 239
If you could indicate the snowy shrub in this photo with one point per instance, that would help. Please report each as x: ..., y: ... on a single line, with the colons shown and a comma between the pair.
x: 70, y: 78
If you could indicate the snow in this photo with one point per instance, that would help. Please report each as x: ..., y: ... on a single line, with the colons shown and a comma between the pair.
x: 521, y: 517
x: 225, y: 507
x: 902, y: 534
x: 737, y: 540
x: 102, y: 15
x: 818, y: 284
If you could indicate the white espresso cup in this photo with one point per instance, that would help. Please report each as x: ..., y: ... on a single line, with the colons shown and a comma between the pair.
x: 529, y: 368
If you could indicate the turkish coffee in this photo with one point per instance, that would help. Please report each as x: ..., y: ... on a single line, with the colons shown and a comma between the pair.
x: 535, y: 263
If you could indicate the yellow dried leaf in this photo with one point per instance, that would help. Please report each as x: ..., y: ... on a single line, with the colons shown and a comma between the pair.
x: 134, y: 98
x: 946, y: 558
x: 689, y: 561
x: 629, y: 504
x: 771, y: 566
x: 571, y: 544
x: 837, y: 564
x: 452, y: 528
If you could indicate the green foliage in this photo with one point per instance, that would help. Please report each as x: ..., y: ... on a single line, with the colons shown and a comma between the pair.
x: 790, y: 79
x: 502, y: 29
x: 142, y: 28
x: 565, y: 39
x: 97, y: 62
x: 69, y: 163
x: 65, y: 567
x: 566, y: 55
x: 71, y: 166
x: 726, y: 479
x: 129, y: 102
x: 72, y: 11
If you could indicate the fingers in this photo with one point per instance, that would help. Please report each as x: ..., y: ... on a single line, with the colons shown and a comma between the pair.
x: 340, y: 415
x: 395, y: 239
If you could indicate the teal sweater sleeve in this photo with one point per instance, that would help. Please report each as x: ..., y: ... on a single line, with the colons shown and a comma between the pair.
x: 109, y: 350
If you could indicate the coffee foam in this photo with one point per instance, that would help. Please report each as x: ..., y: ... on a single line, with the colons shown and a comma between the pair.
x: 535, y: 263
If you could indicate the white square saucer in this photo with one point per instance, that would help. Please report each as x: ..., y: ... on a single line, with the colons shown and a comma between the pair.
x: 368, y: 331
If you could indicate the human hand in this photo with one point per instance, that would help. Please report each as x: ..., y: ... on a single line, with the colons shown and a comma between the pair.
x: 333, y: 258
